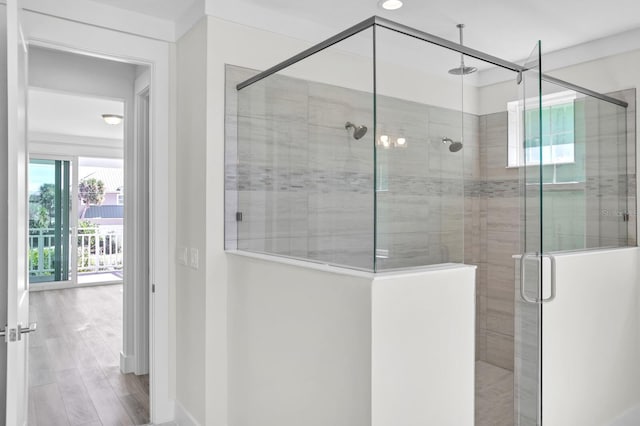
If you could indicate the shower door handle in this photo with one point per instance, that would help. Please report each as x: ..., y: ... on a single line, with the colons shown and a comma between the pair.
x: 539, y: 258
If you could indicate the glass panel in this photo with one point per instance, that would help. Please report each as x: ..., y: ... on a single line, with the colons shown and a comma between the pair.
x: 49, y: 204
x: 528, y: 313
x: 305, y: 174
x: 585, y: 199
x: 419, y: 152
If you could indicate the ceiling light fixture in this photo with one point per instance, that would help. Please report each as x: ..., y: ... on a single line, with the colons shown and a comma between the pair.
x: 390, y: 4
x: 112, y: 119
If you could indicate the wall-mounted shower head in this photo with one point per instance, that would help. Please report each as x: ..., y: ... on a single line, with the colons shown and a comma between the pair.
x: 358, y: 131
x: 453, y: 145
x: 462, y: 69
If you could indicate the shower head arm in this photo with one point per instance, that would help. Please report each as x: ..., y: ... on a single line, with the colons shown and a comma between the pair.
x: 460, y: 31
x: 460, y: 27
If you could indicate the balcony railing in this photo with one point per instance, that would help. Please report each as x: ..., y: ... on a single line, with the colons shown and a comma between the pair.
x: 98, y: 249
x: 41, y: 250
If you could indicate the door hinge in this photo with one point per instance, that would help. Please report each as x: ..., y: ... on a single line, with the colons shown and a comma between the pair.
x: 625, y: 217
x: 238, y: 216
x: 153, y: 288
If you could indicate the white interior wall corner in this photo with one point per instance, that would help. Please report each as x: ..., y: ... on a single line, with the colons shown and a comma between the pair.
x: 191, y: 213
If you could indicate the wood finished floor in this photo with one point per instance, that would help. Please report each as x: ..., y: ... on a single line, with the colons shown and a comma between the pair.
x: 74, y: 374
x: 494, y: 395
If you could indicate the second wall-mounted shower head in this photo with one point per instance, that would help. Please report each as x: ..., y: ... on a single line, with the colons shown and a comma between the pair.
x: 453, y: 145
x: 358, y: 131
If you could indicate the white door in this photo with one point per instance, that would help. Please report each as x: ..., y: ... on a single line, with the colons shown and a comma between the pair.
x: 16, y: 168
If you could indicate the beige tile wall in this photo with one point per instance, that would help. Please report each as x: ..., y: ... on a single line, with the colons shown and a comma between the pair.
x: 492, y: 228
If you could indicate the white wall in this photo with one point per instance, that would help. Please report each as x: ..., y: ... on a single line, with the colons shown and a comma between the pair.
x: 591, y: 339
x: 191, y: 214
x: 423, y: 347
x: 69, y: 72
x: 319, y: 345
x: 299, y: 345
x: 106, y: 16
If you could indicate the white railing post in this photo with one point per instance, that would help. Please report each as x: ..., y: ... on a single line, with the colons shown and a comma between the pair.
x: 107, y: 249
x: 40, y: 252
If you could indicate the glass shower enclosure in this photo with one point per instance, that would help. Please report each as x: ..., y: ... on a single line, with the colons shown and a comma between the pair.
x: 365, y: 152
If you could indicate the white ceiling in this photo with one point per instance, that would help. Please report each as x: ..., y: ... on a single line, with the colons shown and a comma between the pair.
x: 67, y: 114
x: 507, y: 29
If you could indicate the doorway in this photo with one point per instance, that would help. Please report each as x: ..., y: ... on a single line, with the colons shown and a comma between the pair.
x: 84, y: 249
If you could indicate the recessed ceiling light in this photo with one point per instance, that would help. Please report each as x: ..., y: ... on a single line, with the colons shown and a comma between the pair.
x: 390, y: 4
x: 112, y: 119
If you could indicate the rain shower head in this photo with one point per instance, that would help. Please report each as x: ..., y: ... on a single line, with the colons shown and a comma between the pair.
x: 358, y: 131
x: 462, y: 69
x: 453, y: 145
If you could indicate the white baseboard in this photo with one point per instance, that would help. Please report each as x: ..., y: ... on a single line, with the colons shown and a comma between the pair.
x: 63, y: 285
x: 183, y: 417
x: 127, y: 363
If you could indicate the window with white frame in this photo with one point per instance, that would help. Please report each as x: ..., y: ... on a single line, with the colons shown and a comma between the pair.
x: 558, y: 133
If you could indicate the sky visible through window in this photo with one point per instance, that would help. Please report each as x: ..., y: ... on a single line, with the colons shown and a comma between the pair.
x: 41, y: 172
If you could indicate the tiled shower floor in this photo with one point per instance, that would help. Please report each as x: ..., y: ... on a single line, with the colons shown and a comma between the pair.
x: 494, y: 395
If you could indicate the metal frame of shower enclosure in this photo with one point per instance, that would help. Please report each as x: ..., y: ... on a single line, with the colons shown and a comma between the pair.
x: 430, y: 38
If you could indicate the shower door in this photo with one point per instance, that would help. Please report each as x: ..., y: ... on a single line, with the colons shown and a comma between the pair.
x: 533, y: 267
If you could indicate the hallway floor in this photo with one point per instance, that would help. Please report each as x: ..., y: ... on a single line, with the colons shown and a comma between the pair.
x: 74, y: 374
x: 494, y: 395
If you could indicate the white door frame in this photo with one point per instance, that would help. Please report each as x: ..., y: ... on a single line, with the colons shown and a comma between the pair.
x: 141, y: 312
x: 60, y: 34
x: 4, y: 229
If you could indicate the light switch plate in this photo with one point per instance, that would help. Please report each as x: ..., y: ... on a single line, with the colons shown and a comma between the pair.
x: 194, y: 261
x: 183, y: 256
